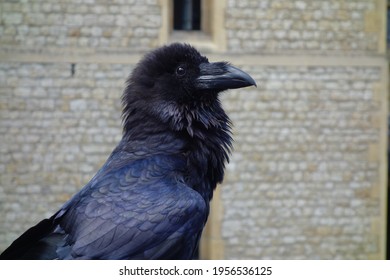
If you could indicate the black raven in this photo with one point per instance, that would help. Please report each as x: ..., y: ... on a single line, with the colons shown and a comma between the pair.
x: 150, y: 200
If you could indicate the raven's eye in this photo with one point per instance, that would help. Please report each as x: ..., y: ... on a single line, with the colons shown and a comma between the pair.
x: 180, y: 71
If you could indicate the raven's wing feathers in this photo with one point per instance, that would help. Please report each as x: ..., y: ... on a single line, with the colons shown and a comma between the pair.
x: 143, y: 210
x: 35, y: 243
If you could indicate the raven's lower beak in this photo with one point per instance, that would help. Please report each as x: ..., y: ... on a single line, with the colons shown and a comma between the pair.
x: 221, y: 76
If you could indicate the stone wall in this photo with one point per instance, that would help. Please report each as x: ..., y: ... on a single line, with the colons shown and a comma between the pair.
x: 57, y: 128
x: 307, y: 179
x: 86, y: 25
x: 304, y: 26
x: 303, y: 182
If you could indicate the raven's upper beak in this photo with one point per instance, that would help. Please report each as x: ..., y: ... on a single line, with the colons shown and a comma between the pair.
x: 221, y: 76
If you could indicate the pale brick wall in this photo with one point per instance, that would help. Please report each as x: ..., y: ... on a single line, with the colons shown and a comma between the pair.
x: 306, y: 177
x: 307, y: 26
x: 82, y: 24
x: 56, y: 130
x: 301, y: 183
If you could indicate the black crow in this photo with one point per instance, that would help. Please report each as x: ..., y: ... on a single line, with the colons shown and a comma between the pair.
x: 150, y: 200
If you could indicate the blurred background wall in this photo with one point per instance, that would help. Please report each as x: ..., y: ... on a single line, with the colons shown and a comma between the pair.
x: 308, y: 176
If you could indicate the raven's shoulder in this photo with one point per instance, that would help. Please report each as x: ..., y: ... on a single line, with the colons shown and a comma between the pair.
x: 143, y: 210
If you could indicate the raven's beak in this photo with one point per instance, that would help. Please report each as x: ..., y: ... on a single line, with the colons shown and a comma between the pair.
x: 221, y: 76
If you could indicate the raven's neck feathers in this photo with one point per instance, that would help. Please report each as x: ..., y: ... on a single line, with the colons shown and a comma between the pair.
x: 203, y: 128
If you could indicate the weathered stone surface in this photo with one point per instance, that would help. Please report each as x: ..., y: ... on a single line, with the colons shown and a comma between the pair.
x: 293, y: 189
x: 57, y: 130
x: 304, y: 179
x: 303, y: 26
x: 30, y: 25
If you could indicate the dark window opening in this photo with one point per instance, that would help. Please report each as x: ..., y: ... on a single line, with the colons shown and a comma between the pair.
x: 388, y: 26
x: 186, y: 15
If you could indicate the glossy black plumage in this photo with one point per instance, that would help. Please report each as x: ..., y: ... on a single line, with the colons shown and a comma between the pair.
x: 150, y: 200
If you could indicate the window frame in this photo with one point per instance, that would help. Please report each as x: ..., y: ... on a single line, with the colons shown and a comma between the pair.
x: 212, y: 35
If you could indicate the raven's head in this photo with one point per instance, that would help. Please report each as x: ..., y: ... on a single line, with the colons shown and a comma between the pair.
x: 179, y: 86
